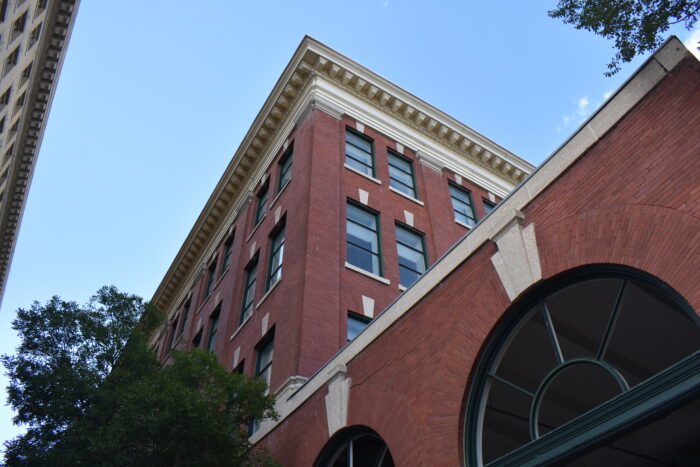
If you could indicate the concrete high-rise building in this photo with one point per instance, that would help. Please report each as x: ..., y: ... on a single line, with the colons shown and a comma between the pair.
x: 415, y: 294
x: 34, y: 36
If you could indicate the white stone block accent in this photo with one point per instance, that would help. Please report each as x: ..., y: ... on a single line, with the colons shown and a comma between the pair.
x: 278, y: 213
x: 408, y: 216
x: 252, y: 250
x: 285, y: 145
x: 368, y: 306
x: 458, y: 179
x: 364, y: 196
x: 517, y: 261
x: 217, y: 298
x: 399, y: 148
x: 492, y: 197
x: 265, y: 321
x: 337, y: 400
x: 236, y: 356
x: 360, y: 127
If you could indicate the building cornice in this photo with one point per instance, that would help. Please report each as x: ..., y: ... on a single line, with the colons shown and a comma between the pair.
x: 312, y: 71
x: 56, y: 30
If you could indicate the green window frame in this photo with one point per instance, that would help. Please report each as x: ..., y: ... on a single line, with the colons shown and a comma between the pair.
x: 210, y: 278
x: 356, y: 324
x: 185, y: 315
x: 249, y: 290
x: 488, y: 206
x: 363, y: 239
x: 213, y: 329
x: 285, y: 171
x: 545, y: 336
x: 228, y: 250
x: 274, y: 268
x: 401, y: 175
x: 261, y: 205
x: 359, y: 152
x: 263, y: 369
x: 413, y: 259
x: 462, y: 205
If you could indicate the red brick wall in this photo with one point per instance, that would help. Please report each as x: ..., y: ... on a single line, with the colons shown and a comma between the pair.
x: 633, y: 199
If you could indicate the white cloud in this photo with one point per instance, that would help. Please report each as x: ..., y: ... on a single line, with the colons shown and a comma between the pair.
x: 582, y: 111
x: 607, y: 95
x: 692, y: 42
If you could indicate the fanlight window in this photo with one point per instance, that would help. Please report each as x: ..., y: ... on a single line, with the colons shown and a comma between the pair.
x: 604, y: 369
x: 356, y: 447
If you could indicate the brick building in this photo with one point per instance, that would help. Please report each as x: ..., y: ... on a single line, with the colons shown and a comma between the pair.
x: 559, y: 327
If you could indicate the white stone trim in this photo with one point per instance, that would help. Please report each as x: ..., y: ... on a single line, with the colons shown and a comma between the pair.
x: 363, y: 196
x: 337, y: 400
x: 381, y: 279
x: 368, y: 306
x: 368, y: 177
x: 267, y: 294
x: 408, y: 197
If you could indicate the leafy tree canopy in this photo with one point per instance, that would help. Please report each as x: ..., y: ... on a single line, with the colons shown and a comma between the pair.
x: 637, y: 26
x: 91, y: 392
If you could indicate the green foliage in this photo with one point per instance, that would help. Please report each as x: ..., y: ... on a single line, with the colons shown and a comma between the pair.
x: 637, y: 26
x: 90, y: 400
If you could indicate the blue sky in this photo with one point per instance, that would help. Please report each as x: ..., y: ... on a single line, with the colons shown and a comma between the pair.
x: 155, y: 97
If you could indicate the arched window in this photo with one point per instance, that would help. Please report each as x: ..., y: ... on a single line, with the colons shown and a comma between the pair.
x: 596, y: 368
x: 356, y: 446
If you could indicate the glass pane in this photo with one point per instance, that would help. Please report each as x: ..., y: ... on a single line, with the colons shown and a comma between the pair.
x: 411, y: 259
x: 505, y: 421
x: 407, y: 276
x: 459, y: 194
x: 358, y: 155
x: 358, y: 141
x: 367, y: 451
x: 400, y: 176
x: 362, y: 237
x: 399, y: 163
x: 363, y: 259
x: 355, y: 326
x: 362, y: 217
x: 409, y: 238
x: 265, y: 356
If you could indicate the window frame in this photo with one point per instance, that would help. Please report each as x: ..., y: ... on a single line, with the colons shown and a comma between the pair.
x: 362, y: 136
x: 273, y: 277
x: 251, y: 273
x: 489, y: 206
x: 423, y: 252
x: 285, y: 168
x: 459, y: 188
x: 228, y: 251
x: 366, y: 320
x: 213, y: 328
x: 377, y: 232
x: 395, y: 155
x: 211, y: 275
x: 261, y: 206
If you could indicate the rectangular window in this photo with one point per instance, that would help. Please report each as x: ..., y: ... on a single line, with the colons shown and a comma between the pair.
x: 197, y: 340
x: 462, y: 205
x: 249, y: 291
x: 185, y: 315
x: 240, y: 367
x: 34, y: 36
x: 263, y: 364
x: 11, y: 60
x: 401, y: 175
x: 213, y: 328
x: 356, y: 323
x: 285, y: 169
x: 412, y: 259
x: 228, y: 249
x: 363, y: 239
x: 261, y: 207
x: 359, y: 152
x: 172, y: 333
x: 210, y: 278
x: 274, y: 270
x: 488, y: 206
x: 19, y: 25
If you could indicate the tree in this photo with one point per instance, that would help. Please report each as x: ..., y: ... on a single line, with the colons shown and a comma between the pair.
x: 92, y: 393
x: 636, y: 25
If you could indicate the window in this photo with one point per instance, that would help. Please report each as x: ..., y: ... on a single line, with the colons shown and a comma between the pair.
x: 285, y: 169
x: 19, y: 102
x: 11, y: 59
x: 18, y: 26
x: 363, y: 239
x: 462, y: 205
x: 5, y: 98
x: 356, y: 324
x: 356, y: 446
x: 34, y: 36
x: 240, y: 367
x: 228, y: 249
x: 261, y: 207
x: 210, y: 278
x: 488, y: 207
x: 274, y: 270
x: 359, y: 152
x: 197, y: 340
x: 185, y: 315
x: 3, y: 9
x: 249, y: 291
x: 213, y: 328
x: 263, y: 364
x: 412, y: 259
x: 579, y: 362
x: 401, y: 175
x: 2, y: 125
x: 26, y: 73
x: 171, y: 334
